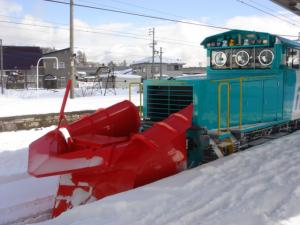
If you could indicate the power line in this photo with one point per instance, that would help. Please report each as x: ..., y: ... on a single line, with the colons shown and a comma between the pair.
x: 140, y: 15
x: 121, y: 34
x: 104, y: 33
x: 137, y: 6
x: 161, y: 18
x: 91, y: 2
x: 268, y: 8
x: 266, y: 12
x: 96, y: 32
x: 111, y: 32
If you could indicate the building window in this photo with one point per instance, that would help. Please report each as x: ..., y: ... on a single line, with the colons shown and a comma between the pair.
x: 292, y: 58
x: 176, y: 67
x: 61, y: 65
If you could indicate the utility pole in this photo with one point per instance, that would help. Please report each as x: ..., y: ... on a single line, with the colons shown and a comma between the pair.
x: 72, y: 56
x: 1, y: 61
x: 160, y: 63
x: 152, y: 32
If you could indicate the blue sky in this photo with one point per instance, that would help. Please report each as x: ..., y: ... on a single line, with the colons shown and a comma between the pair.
x: 103, y: 47
x: 216, y: 11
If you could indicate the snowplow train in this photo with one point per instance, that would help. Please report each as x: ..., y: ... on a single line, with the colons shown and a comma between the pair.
x: 250, y: 94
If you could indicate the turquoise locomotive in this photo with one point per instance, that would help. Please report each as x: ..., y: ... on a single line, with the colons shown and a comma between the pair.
x: 250, y: 94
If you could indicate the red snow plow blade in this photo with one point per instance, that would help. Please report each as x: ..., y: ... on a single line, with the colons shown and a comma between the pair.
x: 103, y: 154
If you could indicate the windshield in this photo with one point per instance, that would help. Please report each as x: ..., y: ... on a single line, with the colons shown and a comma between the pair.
x: 242, y: 58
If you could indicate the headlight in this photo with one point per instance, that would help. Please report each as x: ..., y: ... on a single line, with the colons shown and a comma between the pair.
x: 266, y: 57
x: 242, y: 58
x: 220, y: 59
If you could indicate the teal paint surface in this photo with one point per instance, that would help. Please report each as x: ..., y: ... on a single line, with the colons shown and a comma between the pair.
x: 267, y: 94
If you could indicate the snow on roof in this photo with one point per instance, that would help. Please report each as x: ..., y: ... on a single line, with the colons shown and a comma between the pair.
x: 126, y: 71
x: 157, y: 60
x: 127, y: 76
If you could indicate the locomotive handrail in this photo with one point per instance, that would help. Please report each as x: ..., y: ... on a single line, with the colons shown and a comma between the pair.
x: 140, y: 94
x: 227, y: 83
x: 219, y: 105
x: 240, y: 78
x: 241, y: 104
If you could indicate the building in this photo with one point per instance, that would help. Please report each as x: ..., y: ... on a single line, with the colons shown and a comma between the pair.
x: 63, y: 71
x: 170, y: 67
x: 123, y: 81
x: 19, y: 64
x: 193, y: 70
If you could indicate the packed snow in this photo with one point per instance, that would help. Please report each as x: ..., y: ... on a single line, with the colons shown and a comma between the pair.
x: 26, y: 102
x: 22, y: 196
x: 260, y: 186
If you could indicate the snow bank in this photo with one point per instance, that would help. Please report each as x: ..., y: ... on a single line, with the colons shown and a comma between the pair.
x: 21, y: 195
x: 26, y: 102
x: 256, y: 187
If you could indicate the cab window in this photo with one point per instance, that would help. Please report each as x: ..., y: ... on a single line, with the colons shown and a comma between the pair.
x: 292, y: 58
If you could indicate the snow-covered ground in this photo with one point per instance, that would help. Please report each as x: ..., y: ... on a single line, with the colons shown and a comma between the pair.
x: 257, y: 187
x: 25, y: 102
x: 260, y: 186
x: 22, y: 196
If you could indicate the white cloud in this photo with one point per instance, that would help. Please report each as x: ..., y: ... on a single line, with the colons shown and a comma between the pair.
x: 8, y: 7
x: 265, y: 24
x: 100, y: 45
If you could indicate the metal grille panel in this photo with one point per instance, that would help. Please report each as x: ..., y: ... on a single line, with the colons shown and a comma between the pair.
x: 165, y: 100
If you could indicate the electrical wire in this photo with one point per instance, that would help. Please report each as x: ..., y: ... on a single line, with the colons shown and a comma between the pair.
x: 138, y: 6
x: 97, y: 32
x: 157, y: 17
x: 122, y: 34
x: 287, y: 15
x: 140, y: 15
x: 268, y: 13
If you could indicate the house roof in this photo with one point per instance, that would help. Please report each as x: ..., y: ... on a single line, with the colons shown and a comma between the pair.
x: 57, y: 51
x: 20, y: 57
x: 165, y: 60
